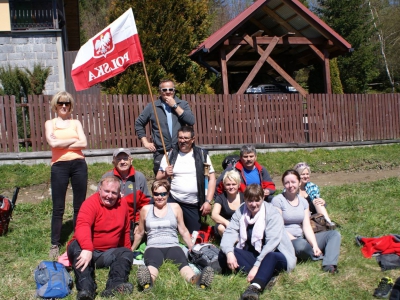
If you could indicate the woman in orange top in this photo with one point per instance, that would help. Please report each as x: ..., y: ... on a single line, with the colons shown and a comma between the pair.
x: 66, y: 139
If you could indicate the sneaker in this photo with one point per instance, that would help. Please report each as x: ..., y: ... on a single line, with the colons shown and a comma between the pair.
x: 384, y: 287
x: 85, y: 295
x: 54, y: 252
x: 121, y: 289
x: 271, y: 283
x: 251, y: 293
x: 205, y: 278
x: 144, y: 278
x: 395, y: 294
x: 330, y: 269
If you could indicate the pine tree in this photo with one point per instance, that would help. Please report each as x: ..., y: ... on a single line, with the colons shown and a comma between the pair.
x: 168, y: 30
x: 352, y: 20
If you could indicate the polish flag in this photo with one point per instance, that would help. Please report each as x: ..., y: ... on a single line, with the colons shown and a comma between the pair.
x: 107, y: 54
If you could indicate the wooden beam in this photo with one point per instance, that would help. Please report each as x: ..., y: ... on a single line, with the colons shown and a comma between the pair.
x: 327, y: 74
x: 277, y: 68
x: 233, y: 51
x: 287, y: 40
x: 224, y: 70
x: 318, y: 52
x: 258, y: 66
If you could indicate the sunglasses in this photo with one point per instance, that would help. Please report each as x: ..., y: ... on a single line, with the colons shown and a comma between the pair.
x: 163, y: 194
x: 63, y: 103
x: 164, y: 90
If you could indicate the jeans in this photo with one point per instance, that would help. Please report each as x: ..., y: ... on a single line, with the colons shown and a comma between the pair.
x: 273, y: 262
x: 118, y: 259
x: 61, y: 172
x: 328, y: 242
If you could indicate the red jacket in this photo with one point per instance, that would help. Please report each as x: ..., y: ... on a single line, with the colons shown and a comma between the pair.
x: 384, y: 245
x: 141, y: 200
x: 101, y: 228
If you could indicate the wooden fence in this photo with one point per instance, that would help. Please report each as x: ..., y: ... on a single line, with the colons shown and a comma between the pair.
x: 108, y: 120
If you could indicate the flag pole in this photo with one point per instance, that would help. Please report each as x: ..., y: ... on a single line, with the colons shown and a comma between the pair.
x: 155, y: 112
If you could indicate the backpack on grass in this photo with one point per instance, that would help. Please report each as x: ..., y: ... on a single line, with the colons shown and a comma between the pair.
x: 203, y: 255
x: 6, y: 209
x: 52, y: 280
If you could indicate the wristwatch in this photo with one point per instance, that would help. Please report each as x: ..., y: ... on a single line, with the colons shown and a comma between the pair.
x: 208, y: 201
x: 175, y: 106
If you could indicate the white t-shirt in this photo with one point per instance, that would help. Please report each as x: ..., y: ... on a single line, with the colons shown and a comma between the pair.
x: 184, y: 184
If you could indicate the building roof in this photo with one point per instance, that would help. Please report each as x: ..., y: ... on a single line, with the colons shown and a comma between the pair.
x: 302, y: 35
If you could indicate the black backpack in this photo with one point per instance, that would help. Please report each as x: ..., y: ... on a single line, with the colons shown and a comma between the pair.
x: 203, y: 255
x: 230, y: 160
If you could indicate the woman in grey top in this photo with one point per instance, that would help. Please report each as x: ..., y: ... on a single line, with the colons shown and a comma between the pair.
x: 296, y: 215
x: 263, y: 246
x: 162, y: 221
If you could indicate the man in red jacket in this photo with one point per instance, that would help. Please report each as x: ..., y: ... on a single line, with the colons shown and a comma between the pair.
x: 101, y: 239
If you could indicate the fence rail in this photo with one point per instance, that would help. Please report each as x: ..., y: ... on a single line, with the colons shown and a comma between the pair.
x: 108, y: 120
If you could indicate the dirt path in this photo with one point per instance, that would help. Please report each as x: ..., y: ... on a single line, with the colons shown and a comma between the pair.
x: 37, y: 193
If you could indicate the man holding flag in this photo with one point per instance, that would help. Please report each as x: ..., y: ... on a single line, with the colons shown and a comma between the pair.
x: 172, y: 112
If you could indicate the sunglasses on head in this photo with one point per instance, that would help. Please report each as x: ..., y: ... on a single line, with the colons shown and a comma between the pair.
x: 164, y: 90
x: 163, y: 194
x: 63, y: 103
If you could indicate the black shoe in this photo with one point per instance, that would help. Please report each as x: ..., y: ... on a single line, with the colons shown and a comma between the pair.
x: 251, y: 293
x: 384, y: 287
x: 205, y: 279
x: 85, y: 295
x: 330, y: 269
x: 122, y: 289
x: 395, y: 294
x: 144, y: 278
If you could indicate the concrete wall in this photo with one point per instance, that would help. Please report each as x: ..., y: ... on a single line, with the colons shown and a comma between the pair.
x: 25, y: 48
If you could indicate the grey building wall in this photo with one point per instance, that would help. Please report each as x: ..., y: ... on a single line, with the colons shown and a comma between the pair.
x: 25, y: 48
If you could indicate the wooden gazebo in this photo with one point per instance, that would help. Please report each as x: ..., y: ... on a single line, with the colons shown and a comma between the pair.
x: 271, y: 37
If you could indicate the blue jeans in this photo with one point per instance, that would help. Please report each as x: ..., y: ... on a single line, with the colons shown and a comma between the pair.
x: 61, y: 172
x: 273, y: 262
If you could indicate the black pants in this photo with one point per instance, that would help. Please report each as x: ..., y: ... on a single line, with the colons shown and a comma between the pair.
x: 191, y: 215
x: 61, y: 172
x: 118, y: 259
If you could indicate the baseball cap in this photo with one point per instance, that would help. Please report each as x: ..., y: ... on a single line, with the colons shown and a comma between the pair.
x: 121, y: 150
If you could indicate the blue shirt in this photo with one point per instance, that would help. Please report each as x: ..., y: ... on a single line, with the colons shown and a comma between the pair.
x: 252, y: 176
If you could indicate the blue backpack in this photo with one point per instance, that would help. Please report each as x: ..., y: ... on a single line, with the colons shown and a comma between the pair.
x: 52, y: 280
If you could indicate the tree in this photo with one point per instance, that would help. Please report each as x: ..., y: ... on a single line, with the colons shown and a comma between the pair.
x: 352, y: 20
x: 168, y: 30
x: 92, y: 17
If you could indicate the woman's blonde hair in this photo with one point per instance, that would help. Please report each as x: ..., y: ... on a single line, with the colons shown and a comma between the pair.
x: 301, y: 166
x: 232, y: 175
x: 62, y: 96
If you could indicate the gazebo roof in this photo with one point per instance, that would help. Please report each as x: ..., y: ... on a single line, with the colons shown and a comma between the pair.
x: 300, y: 38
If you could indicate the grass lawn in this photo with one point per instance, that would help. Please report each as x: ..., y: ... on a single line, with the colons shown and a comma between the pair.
x: 361, y: 209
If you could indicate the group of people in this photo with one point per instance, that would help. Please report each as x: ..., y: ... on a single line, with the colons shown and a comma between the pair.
x: 261, y: 235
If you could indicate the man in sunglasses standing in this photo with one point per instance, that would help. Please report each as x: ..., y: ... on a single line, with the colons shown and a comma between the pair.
x: 172, y: 112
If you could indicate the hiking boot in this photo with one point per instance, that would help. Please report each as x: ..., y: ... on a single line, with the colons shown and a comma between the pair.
x: 204, y: 279
x: 395, y: 294
x: 330, y: 269
x: 144, y: 278
x: 271, y: 282
x: 85, y: 295
x: 384, y: 287
x: 121, y: 289
x: 251, y: 293
x: 54, y: 252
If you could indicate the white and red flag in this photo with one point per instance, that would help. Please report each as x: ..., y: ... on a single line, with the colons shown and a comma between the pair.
x: 107, y: 54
